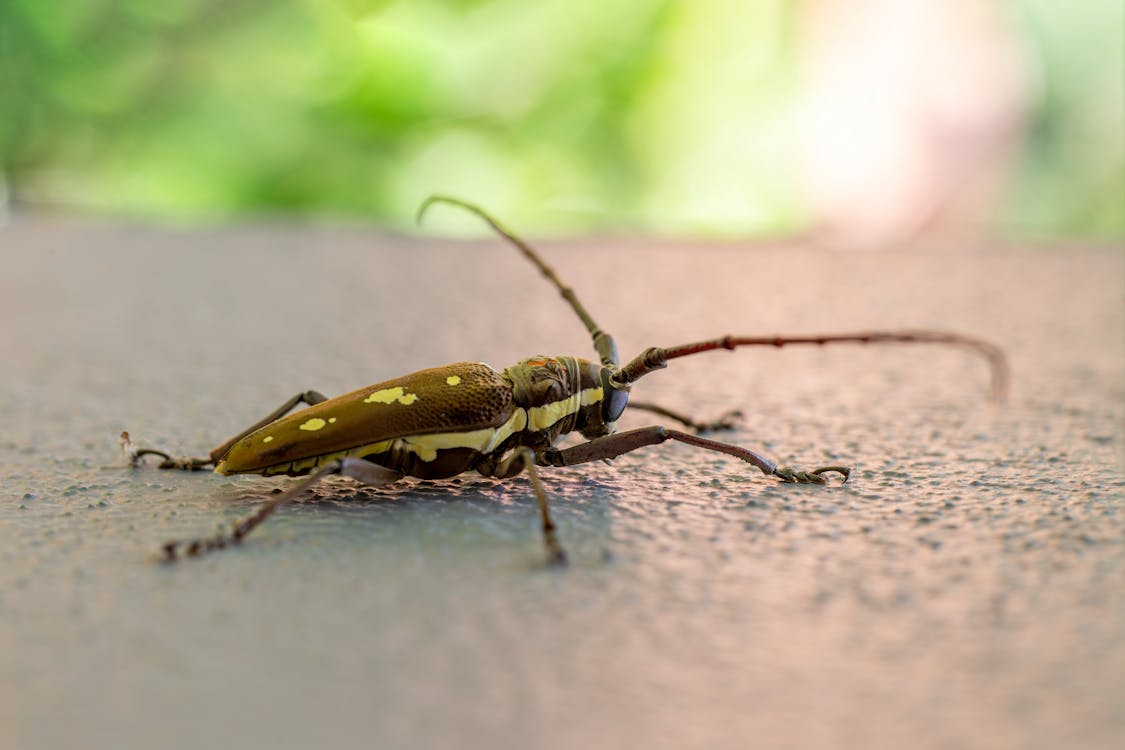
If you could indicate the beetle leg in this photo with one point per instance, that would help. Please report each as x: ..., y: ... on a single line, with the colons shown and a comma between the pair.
x: 624, y: 442
x: 135, y: 454
x: 304, y: 397
x: 192, y: 463
x: 356, y: 468
x: 524, y: 458
x: 725, y: 421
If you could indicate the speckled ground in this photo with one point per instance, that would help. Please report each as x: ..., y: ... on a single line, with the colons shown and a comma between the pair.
x: 965, y: 589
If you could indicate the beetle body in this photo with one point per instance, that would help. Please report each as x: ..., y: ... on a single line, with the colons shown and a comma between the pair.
x: 467, y: 416
x: 435, y: 423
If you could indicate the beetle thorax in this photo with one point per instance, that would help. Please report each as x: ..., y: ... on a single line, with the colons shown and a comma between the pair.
x: 560, y: 395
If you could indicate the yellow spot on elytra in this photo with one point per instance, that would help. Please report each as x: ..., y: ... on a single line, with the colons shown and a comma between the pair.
x: 267, y: 439
x: 385, y: 396
x: 316, y: 423
x: 388, y: 395
x: 332, y: 420
x: 453, y: 380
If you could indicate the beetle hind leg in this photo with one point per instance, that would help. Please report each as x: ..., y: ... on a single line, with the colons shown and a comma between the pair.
x: 355, y: 468
x: 304, y: 397
x: 134, y: 454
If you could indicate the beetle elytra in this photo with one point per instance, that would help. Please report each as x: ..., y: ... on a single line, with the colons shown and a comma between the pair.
x: 467, y: 416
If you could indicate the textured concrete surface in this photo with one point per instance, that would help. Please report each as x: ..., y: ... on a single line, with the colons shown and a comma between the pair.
x: 966, y: 589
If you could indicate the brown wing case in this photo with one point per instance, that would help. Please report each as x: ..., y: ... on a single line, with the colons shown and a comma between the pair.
x: 455, y: 398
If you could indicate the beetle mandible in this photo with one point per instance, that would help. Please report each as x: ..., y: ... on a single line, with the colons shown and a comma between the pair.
x: 467, y: 416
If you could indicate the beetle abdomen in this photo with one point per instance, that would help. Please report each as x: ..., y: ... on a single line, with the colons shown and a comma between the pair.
x: 460, y: 398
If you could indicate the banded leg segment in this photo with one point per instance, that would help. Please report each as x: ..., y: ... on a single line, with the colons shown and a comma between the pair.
x: 356, y: 468
x: 615, y: 445
x: 524, y: 458
x: 192, y: 463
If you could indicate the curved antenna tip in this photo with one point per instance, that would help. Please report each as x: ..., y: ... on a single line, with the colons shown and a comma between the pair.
x: 449, y: 199
x: 421, y: 213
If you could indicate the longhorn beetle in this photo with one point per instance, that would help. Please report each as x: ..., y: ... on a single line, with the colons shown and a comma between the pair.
x: 440, y: 422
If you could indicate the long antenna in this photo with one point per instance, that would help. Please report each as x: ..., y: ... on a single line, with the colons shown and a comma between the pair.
x: 603, y: 342
x: 656, y: 358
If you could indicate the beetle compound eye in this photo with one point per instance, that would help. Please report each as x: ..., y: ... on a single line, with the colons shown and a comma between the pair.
x: 613, y: 404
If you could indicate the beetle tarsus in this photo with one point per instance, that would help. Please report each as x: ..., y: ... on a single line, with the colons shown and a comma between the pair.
x: 133, y: 455
x: 844, y: 471
x: 175, y: 551
x: 816, y: 476
x: 556, y: 556
x: 185, y: 463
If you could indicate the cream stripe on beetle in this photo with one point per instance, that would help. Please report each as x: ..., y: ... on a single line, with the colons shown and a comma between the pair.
x: 542, y: 417
x: 423, y: 446
x: 426, y: 447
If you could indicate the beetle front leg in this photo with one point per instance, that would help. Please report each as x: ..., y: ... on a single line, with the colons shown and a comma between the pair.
x: 725, y: 421
x: 524, y: 458
x: 615, y: 445
x: 362, y: 471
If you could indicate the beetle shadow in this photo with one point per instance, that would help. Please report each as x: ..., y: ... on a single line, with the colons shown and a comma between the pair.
x: 582, y: 507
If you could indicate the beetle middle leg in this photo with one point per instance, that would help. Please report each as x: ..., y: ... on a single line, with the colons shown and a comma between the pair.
x: 192, y: 463
x: 358, y: 469
x: 615, y: 445
x: 524, y: 458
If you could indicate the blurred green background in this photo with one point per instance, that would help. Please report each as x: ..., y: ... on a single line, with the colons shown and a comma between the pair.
x: 560, y: 115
